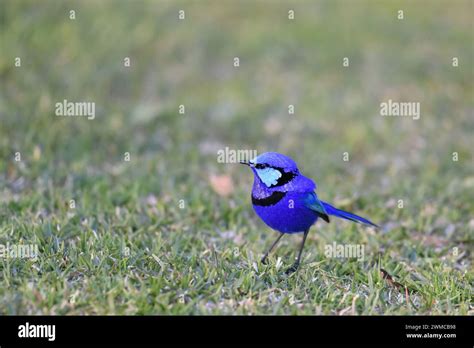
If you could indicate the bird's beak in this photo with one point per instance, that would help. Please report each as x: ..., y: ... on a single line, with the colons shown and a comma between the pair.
x: 250, y: 164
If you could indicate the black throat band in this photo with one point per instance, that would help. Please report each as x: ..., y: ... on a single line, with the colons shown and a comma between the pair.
x: 273, y: 199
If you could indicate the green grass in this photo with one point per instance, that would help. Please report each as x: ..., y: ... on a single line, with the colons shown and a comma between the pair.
x: 128, y: 248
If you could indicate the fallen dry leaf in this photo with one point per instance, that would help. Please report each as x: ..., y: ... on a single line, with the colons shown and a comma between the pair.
x: 221, y: 184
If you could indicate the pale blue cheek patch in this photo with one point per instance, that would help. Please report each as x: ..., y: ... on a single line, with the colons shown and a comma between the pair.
x: 269, y: 176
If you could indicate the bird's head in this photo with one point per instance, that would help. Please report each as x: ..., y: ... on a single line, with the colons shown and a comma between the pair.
x: 273, y: 169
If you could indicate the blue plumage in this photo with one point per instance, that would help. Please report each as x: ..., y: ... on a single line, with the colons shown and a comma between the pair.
x: 346, y: 215
x: 286, y: 200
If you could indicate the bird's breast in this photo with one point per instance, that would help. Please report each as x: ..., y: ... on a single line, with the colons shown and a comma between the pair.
x: 284, y: 211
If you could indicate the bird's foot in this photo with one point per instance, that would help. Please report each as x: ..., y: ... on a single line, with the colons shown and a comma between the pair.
x: 293, y: 268
x: 264, y: 260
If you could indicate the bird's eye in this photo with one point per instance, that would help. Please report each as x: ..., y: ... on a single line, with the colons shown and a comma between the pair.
x: 261, y: 165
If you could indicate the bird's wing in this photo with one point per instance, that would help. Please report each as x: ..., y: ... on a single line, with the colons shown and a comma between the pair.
x: 312, y: 202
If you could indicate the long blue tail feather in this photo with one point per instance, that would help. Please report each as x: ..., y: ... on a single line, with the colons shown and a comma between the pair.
x: 346, y: 215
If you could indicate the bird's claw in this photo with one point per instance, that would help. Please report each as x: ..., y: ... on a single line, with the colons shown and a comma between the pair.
x: 264, y: 260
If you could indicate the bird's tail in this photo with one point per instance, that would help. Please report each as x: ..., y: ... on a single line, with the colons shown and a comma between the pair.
x: 346, y: 215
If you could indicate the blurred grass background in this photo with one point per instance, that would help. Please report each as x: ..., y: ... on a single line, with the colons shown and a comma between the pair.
x: 200, y: 259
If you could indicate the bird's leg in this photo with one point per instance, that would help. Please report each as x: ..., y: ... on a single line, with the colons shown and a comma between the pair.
x: 295, y: 266
x: 264, y: 258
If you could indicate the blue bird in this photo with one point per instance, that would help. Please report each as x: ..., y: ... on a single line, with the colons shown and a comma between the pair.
x: 286, y: 200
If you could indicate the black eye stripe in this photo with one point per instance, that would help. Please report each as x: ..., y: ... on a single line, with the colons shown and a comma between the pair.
x: 285, y: 178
